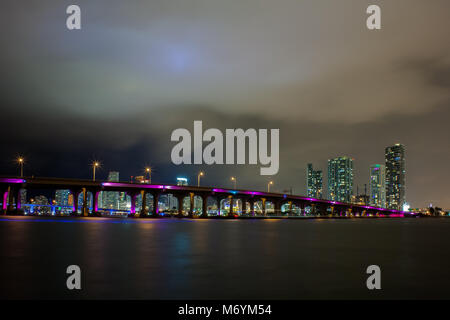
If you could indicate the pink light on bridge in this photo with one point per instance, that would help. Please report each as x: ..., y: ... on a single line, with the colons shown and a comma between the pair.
x: 132, y: 185
x: 12, y: 180
x: 5, y: 200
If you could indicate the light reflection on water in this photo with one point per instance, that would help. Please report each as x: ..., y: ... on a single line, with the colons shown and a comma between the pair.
x: 214, y: 259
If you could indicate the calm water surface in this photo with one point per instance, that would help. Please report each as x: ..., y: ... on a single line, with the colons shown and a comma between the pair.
x: 224, y: 259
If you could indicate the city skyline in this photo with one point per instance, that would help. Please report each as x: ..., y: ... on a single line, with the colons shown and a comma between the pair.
x: 386, y: 187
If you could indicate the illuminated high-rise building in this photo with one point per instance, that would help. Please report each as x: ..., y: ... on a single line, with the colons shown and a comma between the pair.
x: 377, y: 186
x: 340, y: 179
x: 62, y: 197
x: 110, y: 199
x: 123, y: 202
x: 395, y: 176
x: 314, y: 182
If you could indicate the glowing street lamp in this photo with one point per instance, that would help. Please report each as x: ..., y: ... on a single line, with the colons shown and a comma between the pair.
x: 234, y: 180
x: 200, y: 174
x: 21, y: 161
x: 268, y: 185
x: 95, y: 165
x: 148, y: 171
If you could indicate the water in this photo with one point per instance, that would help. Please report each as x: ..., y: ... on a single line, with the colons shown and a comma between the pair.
x: 224, y: 259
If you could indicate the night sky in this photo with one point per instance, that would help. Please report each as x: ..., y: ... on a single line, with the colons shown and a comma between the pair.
x: 116, y: 89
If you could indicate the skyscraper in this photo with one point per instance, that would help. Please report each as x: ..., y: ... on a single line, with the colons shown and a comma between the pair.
x: 314, y: 180
x: 377, y: 185
x: 395, y: 176
x: 340, y: 179
x: 62, y: 197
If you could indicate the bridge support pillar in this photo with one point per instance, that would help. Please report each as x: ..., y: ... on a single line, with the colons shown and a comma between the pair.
x: 133, y: 197
x: 155, y: 213
x: 191, y: 205
x: 302, y: 208
x: 143, y: 212
x: 85, y: 207
x: 231, y: 211
x: 10, y: 202
x: 95, y: 204
x: 75, y: 195
x: 313, y: 209
x: 252, y: 206
x: 4, y: 201
x: 180, y: 199
x: 263, y: 209
x: 244, y: 206
x: 18, y: 200
x: 277, y: 206
x: 204, y: 206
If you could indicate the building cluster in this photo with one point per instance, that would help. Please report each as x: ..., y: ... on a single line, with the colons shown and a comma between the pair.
x: 117, y: 201
x: 386, y: 181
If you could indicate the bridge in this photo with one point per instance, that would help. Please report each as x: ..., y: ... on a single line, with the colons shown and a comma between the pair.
x: 282, y: 205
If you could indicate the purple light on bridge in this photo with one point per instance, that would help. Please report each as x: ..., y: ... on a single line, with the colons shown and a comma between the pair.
x: 173, y: 187
x: 12, y: 180
x: 253, y: 193
x: 220, y: 190
x: 5, y: 200
x: 146, y: 186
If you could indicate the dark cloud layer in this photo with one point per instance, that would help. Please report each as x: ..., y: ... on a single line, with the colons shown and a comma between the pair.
x: 115, y: 90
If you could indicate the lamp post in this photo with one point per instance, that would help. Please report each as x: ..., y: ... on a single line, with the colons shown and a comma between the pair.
x: 234, y: 180
x: 95, y: 165
x: 200, y: 174
x: 268, y: 185
x: 148, y: 171
x: 21, y: 161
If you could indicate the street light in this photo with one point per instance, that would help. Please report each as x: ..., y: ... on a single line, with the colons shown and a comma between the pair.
x: 20, y: 161
x: 148, y: 171
x: 268, y: 185
x: 234, y: 180
x: 95, y: 165
x: 200, y: 174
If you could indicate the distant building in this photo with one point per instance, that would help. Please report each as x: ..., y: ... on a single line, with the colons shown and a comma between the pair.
x: 70, y: 200
x: 182, y: 181
x: 314, y: 182
x: 377, y: 186
x: 395, y: 176
x: 361, y: 199
x: 23, y: 196
x: 340, y: 179
x: 62, y: 197
x: 141, y: 179
x: 42, y: 200
x: 123, y: 202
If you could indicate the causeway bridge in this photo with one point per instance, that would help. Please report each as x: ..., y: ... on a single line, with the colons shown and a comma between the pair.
x: 281, y: 204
